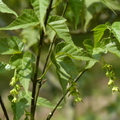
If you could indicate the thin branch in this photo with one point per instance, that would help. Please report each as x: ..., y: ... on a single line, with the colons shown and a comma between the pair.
x: 45, y: 67
x: 3, y: 108
x: 79, y: 75
x: 65, y: 8
x: 61, y: 99
x: 33, y: 101
x: 48, y: 55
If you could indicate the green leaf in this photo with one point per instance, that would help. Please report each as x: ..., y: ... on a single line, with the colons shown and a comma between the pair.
x: 27, y: 96
x: 72, y: 51
x: 88, y: 17
x: 95, y: 51
x: 27, y: 19
x: 40, y: 102
x: 30, y: 36
x: 116, y: 30
x: 5, y: 67
x: 66, y: 70
x: 111, y: 4
x: 12, y: 45
x: 5, y: 9
x: 62, y: 75
x: 40, y: 7
x: 90, y: 8
x: 44, y: 102
x: 88, y: 43
x: 57, y: 24
x: 23, y: 65
x: 76, y: 6
x: 51, y: 33
x: 18, y: 109
x: 98, y: 32
x: 113, y: 46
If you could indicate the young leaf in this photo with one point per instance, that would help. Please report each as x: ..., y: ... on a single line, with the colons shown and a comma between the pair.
x: 98, y: 32
x: 116, y: 30
x: 5, y: 67
x: 12, y: 45
x: 24, y: 69
x: 40, y: 7
x: 76, y: 6
x: 27, y: 19
x: 5, y: 9
x: 58, y: 24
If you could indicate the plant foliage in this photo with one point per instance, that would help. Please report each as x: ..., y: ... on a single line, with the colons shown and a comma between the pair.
x: 45, y: 23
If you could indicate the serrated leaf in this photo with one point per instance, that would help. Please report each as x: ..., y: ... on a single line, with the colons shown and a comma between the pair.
x: 116, y: 30
x: 27, y: 96
x: 113, y: 46
x: 98, y: 32
x: 57, y: 24
x: 66, y: 70
x: 95, y: 50
x: 76, y: 6
x: 73, y: 52
x: 18, y: 109
x: 26, y: 19
x: 5, y: 67
x: 62, y: 75
x: 23, y: 65
x: 89, y: 64
x: 88, y: 45
x: 40, y: 7
x: 5, y: 9
x: 44, y: 102
x: 12, y: 45
x: 40, y: 102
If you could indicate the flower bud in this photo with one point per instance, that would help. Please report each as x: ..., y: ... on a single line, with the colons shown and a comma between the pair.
x: 111, y: 82
x: 115, y: 89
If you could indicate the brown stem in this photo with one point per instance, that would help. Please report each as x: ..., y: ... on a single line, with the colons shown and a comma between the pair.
x: 45, y: 66
x: 3, y: 108
x: 33, y: 101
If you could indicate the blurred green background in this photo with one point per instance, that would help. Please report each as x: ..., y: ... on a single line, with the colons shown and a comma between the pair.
x: 98, y: 101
